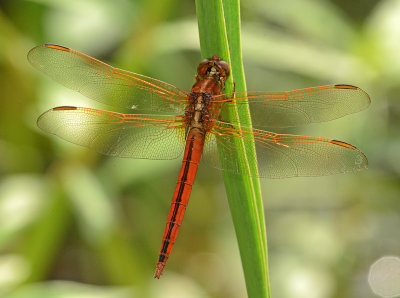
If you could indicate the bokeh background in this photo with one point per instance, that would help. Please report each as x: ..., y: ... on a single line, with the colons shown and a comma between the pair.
x: 77, y: 224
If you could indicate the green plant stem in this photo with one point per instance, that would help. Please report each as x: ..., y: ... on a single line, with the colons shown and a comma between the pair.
x: 219, y: 30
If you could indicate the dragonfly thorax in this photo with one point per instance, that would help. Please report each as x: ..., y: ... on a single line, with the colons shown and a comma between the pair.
x: 197, y: 112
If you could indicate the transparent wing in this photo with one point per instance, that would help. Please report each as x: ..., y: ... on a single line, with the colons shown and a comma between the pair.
x: 281, y: 155
x: 298, y: 107
x: 107, y: 84
x: 116, y: 134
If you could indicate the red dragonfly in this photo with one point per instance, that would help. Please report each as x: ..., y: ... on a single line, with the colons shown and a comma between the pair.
x: 173, y: 121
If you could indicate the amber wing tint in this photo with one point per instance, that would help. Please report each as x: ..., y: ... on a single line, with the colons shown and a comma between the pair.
x: 281, y: 155
x: 107, y: 84
x: 116, y: 134
x: 298, y: 107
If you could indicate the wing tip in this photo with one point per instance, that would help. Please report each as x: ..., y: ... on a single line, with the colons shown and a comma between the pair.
x: 56, y: 47
x: 64, y: 108
x: 36, y: 50
x: 343, y: 144
x: 41, y: 121
x: 361, y: 161
x: 346, y: 86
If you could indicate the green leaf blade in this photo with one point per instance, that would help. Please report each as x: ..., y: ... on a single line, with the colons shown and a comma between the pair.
x: 219, y: 31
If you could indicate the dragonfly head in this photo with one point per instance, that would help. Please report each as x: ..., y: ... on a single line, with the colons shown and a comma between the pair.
x: 214, y: 68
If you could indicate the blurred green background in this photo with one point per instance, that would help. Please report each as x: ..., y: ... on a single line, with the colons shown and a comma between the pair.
x: 77, y: 224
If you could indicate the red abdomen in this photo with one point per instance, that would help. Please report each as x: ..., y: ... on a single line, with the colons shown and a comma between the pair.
x: 191, y: 159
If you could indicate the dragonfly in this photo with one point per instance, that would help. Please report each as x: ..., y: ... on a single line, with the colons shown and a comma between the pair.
x: 170, y: 121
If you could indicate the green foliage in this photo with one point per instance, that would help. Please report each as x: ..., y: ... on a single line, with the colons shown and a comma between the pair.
x: 219, y: 29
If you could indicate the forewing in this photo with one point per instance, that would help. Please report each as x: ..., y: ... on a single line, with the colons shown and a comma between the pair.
x: 298, y: 107
x: 116, y: 134
x: 107, y: 84
x: 281, y: 155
